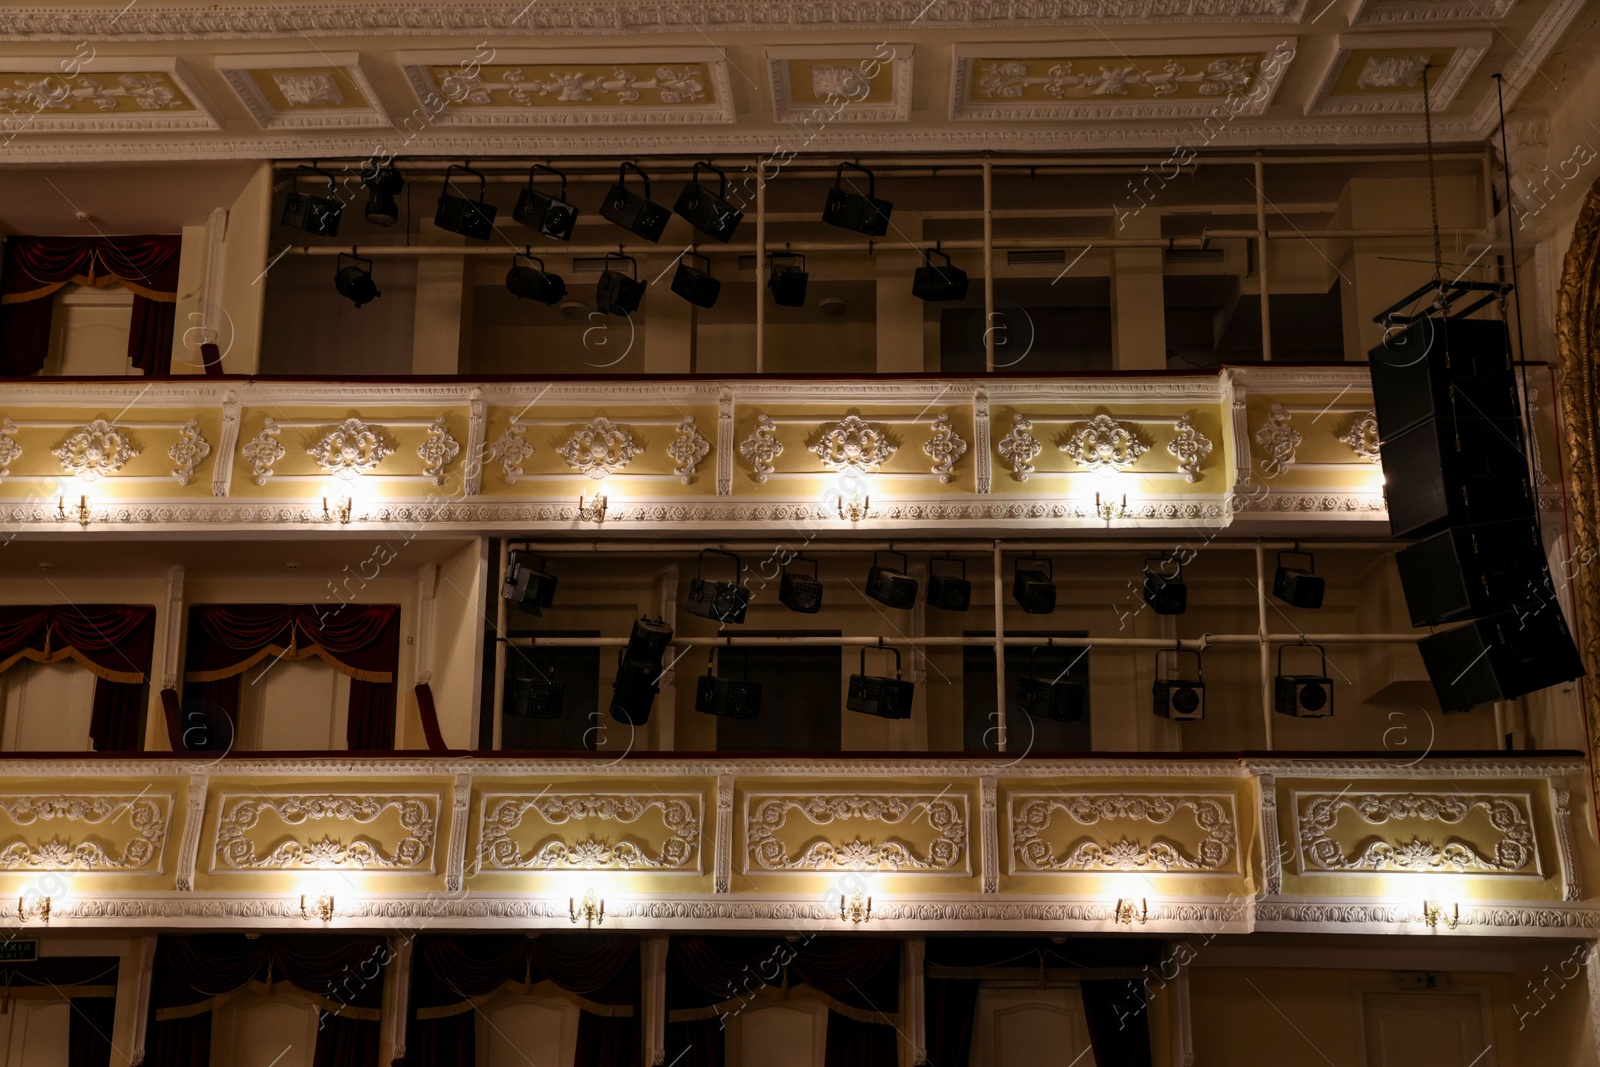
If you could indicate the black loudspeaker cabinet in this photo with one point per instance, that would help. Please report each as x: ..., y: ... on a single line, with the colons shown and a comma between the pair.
x: 1451, y: 472
x: 1466, y: 571
x: 1500, y: 657
x: 1439, y: 368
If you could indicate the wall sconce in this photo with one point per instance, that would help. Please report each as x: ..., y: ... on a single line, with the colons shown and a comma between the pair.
x: 855, y: 507
x: 594, y: 511
x: 1433, y: 914
x: 856, y: 908
x: 37, y: 908
x: 1126, y: 913
x: 321, y: 908
x: 341, y: 508
x: 593, y: 909
x: 1108, y: 511
x: 81, y: 512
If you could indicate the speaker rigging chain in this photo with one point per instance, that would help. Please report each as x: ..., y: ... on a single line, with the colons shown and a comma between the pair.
x: 1433, y: 185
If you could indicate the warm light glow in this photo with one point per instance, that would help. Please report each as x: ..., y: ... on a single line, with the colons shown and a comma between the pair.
x: 37, y: 908
x: 855, y: 907
x: 1108, y: 509
x: 318, y: 907
x: 592, y: 509
x: 79, y: 511
x: 854, y: 508
x: 1128, y: 913
x: 1435, y: 914
x: 591, y: 909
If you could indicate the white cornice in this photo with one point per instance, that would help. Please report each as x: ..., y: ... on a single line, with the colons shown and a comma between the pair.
x: 347, y: 19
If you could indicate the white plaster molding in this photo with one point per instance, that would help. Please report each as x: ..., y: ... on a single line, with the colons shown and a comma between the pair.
x: 149, y: 815
x: 724, y: 442
x: 1470, y: 47
x: 42, y: 106
x: 1189, y: 447
x: 351, y: 449
x: 1019, y: 448
x: 1271, y: 845
x: 10, y: 451
x: 600, y: 448
x: 427, y: 620
x: 98, y: 450
x: 687, y: 450
x: 1561, y: 806
x: 989, y: 828
x: 678, y: 852
x: 456, y: 859
x: 438, y: 450
x: 854, y: 444
x: 1510, y: 814
x: 472, y: 473
x: 1367, y: 12
x: 849, y: 83
x: 946, y: 814
x: 510, y: 450
x: 189, y: 452
x: 944, y: 447
x: 263, y: 451
x: 172, y: 647
x: 189, y: 847
x: 1279, y: 438
x: 222, y: 466
x: 235, y: 851
x: 762, y: 449
x: 722, y: 868
x: 1030, y: 815
x: 980, y: 440
x: 367, y: 112
x: 1362, y: 437
x: 1103, y: 443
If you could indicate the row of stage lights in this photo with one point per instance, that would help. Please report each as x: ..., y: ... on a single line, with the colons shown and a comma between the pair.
x: 554, y: 216
x: 1177, y: 696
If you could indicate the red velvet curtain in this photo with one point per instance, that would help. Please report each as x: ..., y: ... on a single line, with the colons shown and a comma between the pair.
x: 448, y: 971
x: 950, y: 1008
x: 225, y: 640
x: 35, y: 267
x: 347, y: 970
x: 114, y: 641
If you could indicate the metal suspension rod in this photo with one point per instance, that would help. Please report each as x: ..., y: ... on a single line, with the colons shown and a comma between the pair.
x: 658, y: 547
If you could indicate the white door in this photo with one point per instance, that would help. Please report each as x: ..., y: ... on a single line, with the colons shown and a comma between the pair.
x: 35, y: 1033
x: 778, y: 1033
x: 256, y: 1031
x: 536, y: 1031
x: 293, y: 705
x: 48, y: 707
x: 1029, y: 1027
x: 1426, y: 1030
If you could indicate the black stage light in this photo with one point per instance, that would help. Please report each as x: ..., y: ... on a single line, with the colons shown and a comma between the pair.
x: 648, y: 641
x: 709, y: 213
x: 383, y: 187
x: 549, y: 215
x: 1305, y: 696
x: 949, y: 592
x: 1176, y: 697
x: 1296, y: 586
x: 731, y: 698
x: 695, y: 284
x: 1050, y: 697
x: 634, y: 690
x: 527, y: 582
x: 639, y: 215
x: 948, y: 282
x: 887, y: 698
x: 1165, y: 593
x: 722, y: 601
x: 1033, y: 585
x: 855, y: 211
x: 889, y: 585
x: 532, y: 691
x: 787, y: 280
x: 353, y: 282
x: 461, y: 214
x: 617, y: 293
x: 313, y: 214
x: 801, y: 592
x: 534, y: 283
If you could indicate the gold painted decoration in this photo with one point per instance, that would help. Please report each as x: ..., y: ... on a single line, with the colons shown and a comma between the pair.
x: 1144, y: 832
x: 101, y: 93
x: 1112, y: 75
x: 635, y: 85
x: 290, y: 831
x: 109, y: 832
x: 905, y: 833
x: 1418, y: 833
x: 606, y: 831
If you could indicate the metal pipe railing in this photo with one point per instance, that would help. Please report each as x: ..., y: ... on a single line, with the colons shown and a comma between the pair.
x: 999, y: 642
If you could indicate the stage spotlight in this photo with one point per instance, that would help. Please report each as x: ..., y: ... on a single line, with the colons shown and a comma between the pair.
x: 463, y: 215
x: 534, y: 283
x: 527, y: 582
x: 1296, y: 586
x: 1033, y: 585
x: 722, y: 601
x: 639, y: 215
x: 887, y: 698
x: 891, y: 585
x: 1176, y: 697
x: 383, y: 186
x: 355, y: 282
x: 801, y: 592
x: 617, y: 293
x: 313, y: 214
x: 949, y: 592
x: 709, y: 213
x: 948, y: 282
x: 533, y: 692
x: 1050, y: 695
x: 1305, y: 696
x: 731, y: 698
x: 549, y: 215
x: 639, y: 671
x: 648, y: 641
x: 855, y: 211
x: 1165, y: 593
x: 695, y: 284
x: 787, y: 280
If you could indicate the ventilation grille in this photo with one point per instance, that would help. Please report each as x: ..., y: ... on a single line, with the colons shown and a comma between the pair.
x: 1022, y: 257
x: 1196, y: 255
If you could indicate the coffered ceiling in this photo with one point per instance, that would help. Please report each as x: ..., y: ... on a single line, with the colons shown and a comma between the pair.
x: 552, y: 77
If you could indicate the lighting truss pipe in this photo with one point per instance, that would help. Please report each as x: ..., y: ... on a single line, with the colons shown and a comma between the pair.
x: 999, y: 640
x: 1065, y: 548
x: 1261, y: 638
x: 501, y: 618
x: 1198, y: 644
x: 988, y: 268
x: 761, y: 256
x: 757, y: 248
x: 1261, y: 268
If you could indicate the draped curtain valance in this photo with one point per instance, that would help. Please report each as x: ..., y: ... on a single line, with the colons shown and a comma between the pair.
x: 359, y: 640
x: 35, y: 267
x: 114, y: 642
x: 453, y: 976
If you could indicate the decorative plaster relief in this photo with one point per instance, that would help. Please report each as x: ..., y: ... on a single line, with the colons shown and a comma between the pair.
x: 350, y: 449
x: 1459, y: 833
x: 668, y: 841
x: 263, y: 832
x: 189, y: 451
x: 600, y: 448
x: 97, y: 450
x: 940, y: 820
x: 762, y: 448
x: 687, y: 450
x: 854, y: 444
x: 1205, y: 840
x: 130, y: 832
x: 944, y: 447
